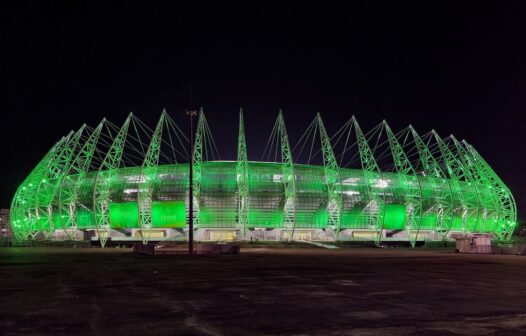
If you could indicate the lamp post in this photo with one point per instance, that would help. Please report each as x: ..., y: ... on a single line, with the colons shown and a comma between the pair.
x: 191, y: 182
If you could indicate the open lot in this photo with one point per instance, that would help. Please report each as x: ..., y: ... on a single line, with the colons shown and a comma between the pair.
x: 263, y: 291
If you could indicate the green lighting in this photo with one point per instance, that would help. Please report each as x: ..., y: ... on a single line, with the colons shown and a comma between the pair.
x: 124, y: 215
x: 85, y: 219
x: 444, y: 186
x: 395, y: 216
x: 168, y: 214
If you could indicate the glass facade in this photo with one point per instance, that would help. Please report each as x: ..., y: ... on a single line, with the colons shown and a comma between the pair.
x: 217, y: 204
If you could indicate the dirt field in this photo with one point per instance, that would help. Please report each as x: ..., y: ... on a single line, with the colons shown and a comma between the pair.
x: 309, y: 291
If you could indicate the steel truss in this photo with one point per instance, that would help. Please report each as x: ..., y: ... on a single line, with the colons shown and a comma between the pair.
x: 461, y: 181
x: 442, y: 189
x: 148, y: 178
x: 507, y: 210
x: 71, y: 181
x: 407, y: 178
x: 289, y: 178
x: 46, y: 190
x: 333, y: 180
x: 439, y: 178
x: 242, y: 178
x: 106, y: 175
x: 371, y: 172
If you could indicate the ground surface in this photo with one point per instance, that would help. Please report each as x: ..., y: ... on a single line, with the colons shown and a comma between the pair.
x: 358, y: 291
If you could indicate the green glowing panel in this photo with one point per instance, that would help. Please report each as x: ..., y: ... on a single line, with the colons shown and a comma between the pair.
x: 32, y: 224
x: 456, y: 223
x: 85, y: 219
x: 355, y: 219
x: 124, y: 215
x: 272, y: 219
x: 395, y: 216
x: 43, y: 223
x: 471, y: 223
x: 429, y: 221
x: 58, y: 220
x: 217, y: 218
x: 491, y: 224
x: 317, y: 219
x: 168, y: 214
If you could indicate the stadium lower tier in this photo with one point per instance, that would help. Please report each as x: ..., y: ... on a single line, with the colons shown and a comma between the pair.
x: 385, y: 206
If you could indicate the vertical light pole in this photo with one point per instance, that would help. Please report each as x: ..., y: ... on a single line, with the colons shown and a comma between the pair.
x: 191, y: 181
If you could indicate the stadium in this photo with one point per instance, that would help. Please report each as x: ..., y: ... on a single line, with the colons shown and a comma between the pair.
x: 131, y: 183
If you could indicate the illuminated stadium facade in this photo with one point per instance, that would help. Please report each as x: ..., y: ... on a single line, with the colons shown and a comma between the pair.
x: 131, y: 183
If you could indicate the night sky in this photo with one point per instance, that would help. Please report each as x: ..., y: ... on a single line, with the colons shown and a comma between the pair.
x: 456, y: 67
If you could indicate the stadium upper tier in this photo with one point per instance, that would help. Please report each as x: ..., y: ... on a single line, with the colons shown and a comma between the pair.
x: 132, y: 182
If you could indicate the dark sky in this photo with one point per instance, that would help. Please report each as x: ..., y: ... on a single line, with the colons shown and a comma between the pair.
x: 458, y: 67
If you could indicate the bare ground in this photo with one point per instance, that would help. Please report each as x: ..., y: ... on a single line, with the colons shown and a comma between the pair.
x: 263, y: 291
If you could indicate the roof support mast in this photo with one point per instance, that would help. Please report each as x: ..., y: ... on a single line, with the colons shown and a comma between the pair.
x: 148, y: 178
x: 22, y: 201
x: 443, y: 194
x: 371, y: 171
x: 70, y: 184
x: 49, y: 185
x: 333, y: 180
x: 289, y: 178
x: 34, y: 185
x: 242, y: 177
x: 457, y: 173
x: 488, y: 203
x: 507, y: 217
x: 105, y: 176
x: 409, y: 181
